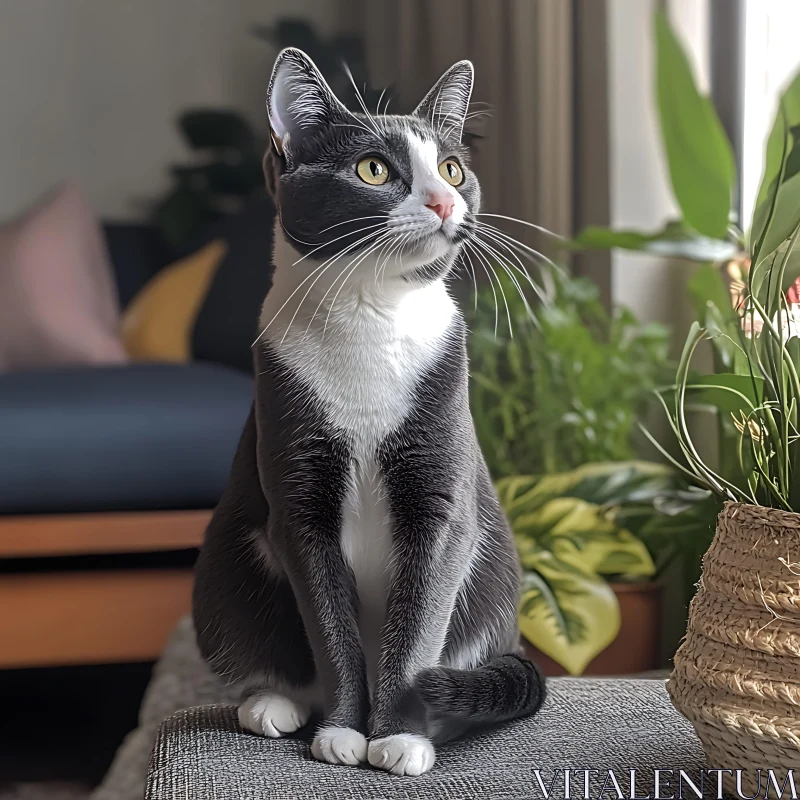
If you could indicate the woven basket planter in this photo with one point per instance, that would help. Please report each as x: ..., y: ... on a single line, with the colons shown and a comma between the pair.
x: 737, y: 673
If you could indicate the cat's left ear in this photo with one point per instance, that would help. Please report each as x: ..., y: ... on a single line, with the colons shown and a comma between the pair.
x: 298, y: 99
x: 446, y: 104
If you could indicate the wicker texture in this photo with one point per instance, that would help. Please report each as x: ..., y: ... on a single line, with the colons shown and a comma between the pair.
x: 737, y: 673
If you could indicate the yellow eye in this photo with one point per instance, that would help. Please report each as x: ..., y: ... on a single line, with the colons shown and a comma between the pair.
x: 373, y: 171
x: 451, y: 171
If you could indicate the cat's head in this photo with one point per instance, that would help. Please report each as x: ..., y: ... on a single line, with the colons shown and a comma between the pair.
x: 389, y: 189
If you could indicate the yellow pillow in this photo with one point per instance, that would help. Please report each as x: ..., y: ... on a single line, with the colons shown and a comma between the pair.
x: 158, y: 323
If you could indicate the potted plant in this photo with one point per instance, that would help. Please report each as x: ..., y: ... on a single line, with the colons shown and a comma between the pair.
x: 556, y: 408
x: 593, y: 543
x: 735, y: 673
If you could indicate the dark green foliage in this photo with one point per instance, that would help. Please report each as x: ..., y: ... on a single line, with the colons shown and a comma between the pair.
x: 568, y: 388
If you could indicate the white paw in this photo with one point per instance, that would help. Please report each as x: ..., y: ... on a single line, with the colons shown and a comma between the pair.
x: 339, y: 746
x: 273, y: 715
x: 403, y: 754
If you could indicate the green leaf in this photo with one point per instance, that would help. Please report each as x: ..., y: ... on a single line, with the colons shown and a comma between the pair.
x: 730, y: 394
x: 570, y: 614
x: 601, y: 483
x: 781, y: 141
x: 596, y: 237
x: 698, y: 152
x: 708, y: 291
x: 585, y: 536
x: 785, y: 217
x: 675, y: 240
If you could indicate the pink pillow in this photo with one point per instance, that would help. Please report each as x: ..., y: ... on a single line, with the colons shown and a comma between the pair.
x: 58, y: 303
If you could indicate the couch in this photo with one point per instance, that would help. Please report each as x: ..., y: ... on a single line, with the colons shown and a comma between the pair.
x: 107, y: 479
x: 189, y: 744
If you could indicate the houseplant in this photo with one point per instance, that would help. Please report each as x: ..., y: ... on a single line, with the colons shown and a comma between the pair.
x: 735, y: 673
x: 555, y: 409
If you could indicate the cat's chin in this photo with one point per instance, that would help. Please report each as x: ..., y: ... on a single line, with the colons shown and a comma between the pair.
x: 434, y: 250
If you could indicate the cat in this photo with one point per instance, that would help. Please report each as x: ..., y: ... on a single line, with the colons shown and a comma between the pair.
x: 359, y: 564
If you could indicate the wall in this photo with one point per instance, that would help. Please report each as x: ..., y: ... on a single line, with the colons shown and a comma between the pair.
x: 89, y: 89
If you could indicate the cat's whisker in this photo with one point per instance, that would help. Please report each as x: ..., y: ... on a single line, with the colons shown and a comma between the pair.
x: 358, y: 261
x: 304, y: 281
x: 467, y: 258
x: 490, y: 266
x: 474, y: 250
x: 360, y: 99
x: 523, y: 222
x: 358, y: 126
x: 380, y: 253
x: 386, y: 250
x: 378, y: 104
x: 501, y: 261
x: 338, y: 238
x: 299, y: 241
x: 360, y: 256
x: 396, y: 250
x: 330, y: 262
x: 546, y: 279
x: 518, y: 266
x: 357, y: 219
x: 532, y: 253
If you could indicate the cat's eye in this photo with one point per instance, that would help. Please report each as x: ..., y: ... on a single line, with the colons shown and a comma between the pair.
x: 451, y: 171
x: 373, y: 170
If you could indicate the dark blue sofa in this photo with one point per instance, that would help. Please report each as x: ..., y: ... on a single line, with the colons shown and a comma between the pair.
x: 102, y: 463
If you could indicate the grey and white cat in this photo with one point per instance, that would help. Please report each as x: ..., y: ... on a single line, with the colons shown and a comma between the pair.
x: 359, y: 564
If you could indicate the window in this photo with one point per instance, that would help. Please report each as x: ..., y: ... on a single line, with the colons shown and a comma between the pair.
x: 771, y: 57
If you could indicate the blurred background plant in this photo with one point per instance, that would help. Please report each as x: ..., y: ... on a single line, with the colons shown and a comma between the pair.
x: 581, y: 530
x: 557, y: 408
x: 568, y: 387
x: 225, y: 169
x: 746, y: 291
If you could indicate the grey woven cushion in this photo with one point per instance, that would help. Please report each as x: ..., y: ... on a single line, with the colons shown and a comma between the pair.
x: 201, y: 753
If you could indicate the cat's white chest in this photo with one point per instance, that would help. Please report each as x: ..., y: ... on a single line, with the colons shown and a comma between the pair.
x: 364, y: 360
x: 363, y: 364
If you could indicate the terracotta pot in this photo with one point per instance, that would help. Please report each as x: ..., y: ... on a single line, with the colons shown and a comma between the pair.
x: 638, y: 644
x: 735, y: 676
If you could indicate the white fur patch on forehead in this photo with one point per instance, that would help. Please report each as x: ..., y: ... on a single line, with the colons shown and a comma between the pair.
x: 426, y: 179
x: 424, y: 156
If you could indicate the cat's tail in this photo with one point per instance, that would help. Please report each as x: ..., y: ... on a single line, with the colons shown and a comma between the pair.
x: 506, y: 688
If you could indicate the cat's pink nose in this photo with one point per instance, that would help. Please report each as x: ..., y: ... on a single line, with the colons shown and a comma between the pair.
x: 442, y: 206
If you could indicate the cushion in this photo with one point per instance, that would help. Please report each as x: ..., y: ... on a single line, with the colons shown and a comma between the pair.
x: 585, y: 724
x: 58, y: 302
x: 206, y: 306
x: 158, y: 323
x: 139, y: 437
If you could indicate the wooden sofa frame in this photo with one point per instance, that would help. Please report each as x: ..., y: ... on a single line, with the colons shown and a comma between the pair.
x: 98, y: 616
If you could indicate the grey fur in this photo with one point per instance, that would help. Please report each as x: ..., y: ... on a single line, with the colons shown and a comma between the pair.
x: 276, y: 605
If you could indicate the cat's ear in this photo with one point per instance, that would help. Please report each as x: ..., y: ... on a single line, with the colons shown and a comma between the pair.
x: 298, y: 98
x: 446, y: 104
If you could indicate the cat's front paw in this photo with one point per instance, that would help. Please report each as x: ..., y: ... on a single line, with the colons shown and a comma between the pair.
x: 273, y: 715
x: 402, y: 754
x: 339, y: 746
